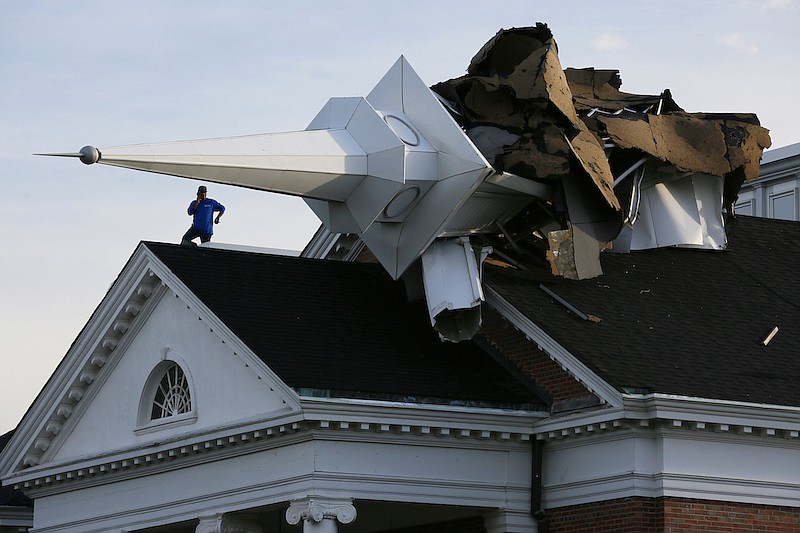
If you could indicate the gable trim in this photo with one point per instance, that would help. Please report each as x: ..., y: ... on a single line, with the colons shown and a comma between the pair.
x: 135, y: 463
x: 91, y: 358
x: 115, y: 345
x: 67, y: 390
x: 569, y: 363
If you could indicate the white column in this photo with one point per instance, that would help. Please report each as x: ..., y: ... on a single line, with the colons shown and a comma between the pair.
x: 224, y: 523
x: 320, y: 515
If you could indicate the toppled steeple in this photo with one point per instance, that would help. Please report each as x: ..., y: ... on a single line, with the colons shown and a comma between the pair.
x: 518, y: 156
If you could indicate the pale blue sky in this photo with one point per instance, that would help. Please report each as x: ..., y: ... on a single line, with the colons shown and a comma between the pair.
x: 111, y: 72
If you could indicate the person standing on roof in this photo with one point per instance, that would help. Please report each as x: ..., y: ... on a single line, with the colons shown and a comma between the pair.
x: 202, y: 210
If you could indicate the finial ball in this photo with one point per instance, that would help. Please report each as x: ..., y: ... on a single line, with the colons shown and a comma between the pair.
x: 89, y: 155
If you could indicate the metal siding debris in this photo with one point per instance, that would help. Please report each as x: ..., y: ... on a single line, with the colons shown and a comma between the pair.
x: 560, y: 124
x: 770, y: 336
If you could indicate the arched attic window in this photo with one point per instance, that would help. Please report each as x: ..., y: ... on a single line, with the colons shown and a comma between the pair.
x: 172, y: 395
x: 167, y: 397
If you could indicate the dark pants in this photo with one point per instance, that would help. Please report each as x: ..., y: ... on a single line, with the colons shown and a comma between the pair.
x: 191, y: 234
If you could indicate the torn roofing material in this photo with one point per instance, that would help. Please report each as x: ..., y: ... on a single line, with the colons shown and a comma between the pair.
x: 693, y: 142
x: 531, y: 118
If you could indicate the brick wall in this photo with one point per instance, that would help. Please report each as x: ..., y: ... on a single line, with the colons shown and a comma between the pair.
x: 527, y: 357
x: 672, y: 515
x: 625, y: 515
x: 706, y: 516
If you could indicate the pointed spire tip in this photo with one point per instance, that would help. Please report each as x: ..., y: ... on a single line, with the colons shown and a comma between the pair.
x: 87, y: 155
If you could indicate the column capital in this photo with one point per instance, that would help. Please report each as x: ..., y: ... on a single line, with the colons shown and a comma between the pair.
x: 318, y: 509
x: 223, y: 523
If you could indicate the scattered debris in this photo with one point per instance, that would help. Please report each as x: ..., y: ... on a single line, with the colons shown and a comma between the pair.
x: 770, y: 336
x: 560, y: 254
x: 599, y: 149
x: 574, y: 310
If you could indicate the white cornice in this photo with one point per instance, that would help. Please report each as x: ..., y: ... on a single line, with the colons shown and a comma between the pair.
x: 55, y: 478
x: 712, y: 410
x: 352, y: 420
x: 678, y: 413
x: 659, y: 445
x: 568, y: 362
x: 781, y: 153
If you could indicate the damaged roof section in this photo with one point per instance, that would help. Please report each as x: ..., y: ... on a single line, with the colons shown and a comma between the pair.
x: 660, y: 333
x: 624, y: 171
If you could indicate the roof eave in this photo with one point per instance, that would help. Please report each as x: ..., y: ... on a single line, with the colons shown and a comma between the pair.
x: 607, y: 393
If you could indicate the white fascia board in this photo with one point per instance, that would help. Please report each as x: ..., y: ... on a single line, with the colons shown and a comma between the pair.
x: 776, y: 170
x: 250, y: 249
x: 566, y: 424
x: 696, y: 412
x: 692, y: 409
x: 781, y: 153
x: 696, y: 487
x: 219, y: 437
x: 604, y: 390
x: 412, y: 414
x: 759, y: 492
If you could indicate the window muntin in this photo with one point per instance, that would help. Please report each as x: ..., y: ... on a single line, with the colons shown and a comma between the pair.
x: 172, y: 396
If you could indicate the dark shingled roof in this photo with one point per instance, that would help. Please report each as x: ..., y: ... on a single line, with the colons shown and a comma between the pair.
x: 341, y: 327
x: 680, y: 321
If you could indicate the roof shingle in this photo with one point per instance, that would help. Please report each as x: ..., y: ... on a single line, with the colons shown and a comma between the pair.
x: 341, y: 327
x: 681, y: 321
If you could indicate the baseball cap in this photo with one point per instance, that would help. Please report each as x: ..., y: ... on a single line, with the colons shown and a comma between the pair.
x: 201, y: 188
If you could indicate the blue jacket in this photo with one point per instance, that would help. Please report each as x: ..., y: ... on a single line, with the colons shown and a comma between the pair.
x: 204, y: 215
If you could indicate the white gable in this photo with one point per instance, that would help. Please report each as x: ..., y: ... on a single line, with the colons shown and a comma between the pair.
x: 224, y: 387
x: 148, y: 317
